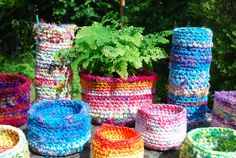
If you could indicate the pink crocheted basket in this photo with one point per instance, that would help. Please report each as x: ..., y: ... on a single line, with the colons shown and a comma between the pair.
x: 116, y: 100
x: 163, y: 126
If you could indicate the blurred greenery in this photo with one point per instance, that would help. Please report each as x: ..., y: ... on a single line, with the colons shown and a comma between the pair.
x: 18, y: 16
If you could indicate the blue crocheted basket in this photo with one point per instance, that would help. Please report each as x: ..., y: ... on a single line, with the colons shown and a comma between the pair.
x: 59, y: 127
x: 190, y: 61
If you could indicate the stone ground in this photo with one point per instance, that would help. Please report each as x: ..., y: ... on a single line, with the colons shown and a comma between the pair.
x: 147, y: 153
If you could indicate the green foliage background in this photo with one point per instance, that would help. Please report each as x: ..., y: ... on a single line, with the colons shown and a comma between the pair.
x: 17, y: 18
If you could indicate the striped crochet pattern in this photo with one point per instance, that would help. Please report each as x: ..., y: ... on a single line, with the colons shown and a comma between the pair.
x: 189, y: 66
x: 58, y: 128
x: 52, y: 77
x: 116, y: 142
x: 224, y: 109
x: 14, y: 99
x: 13, y: 143
x: 116, y: 100
x: 162, y: 126
x: 209, y: 143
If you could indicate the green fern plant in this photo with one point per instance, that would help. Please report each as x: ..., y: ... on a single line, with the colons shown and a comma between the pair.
x: 108, y: 51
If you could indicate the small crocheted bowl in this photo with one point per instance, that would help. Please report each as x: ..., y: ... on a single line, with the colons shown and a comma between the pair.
x: 224, y: 110
x: 209, y: 142
x: 162, y: 126
x: 58, y: 128
x: 15, y: 95
x: 116, y: 141
x: 13, y: 143
x: 116, y: 100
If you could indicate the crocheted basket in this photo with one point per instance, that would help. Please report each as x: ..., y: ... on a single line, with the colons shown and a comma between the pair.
x: 52, y: 77
x: 224, y: 109
x: 190, y: 61
x: 162, y: 126
x: 13, y: 143
x: 14, y: 99
x: 116, y: 100
x: 58, y: 128
x: 210, y: 143
x: 116, y: 141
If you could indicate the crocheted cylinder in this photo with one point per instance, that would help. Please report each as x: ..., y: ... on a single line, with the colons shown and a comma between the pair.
x: 162, y: 126
x: 52, y: 77
x: 13, y: 143
x: 210, y: 143
x: 15, y: 95
x: 116, y: 141
x: 58, y: 128
x: 189, y: 66
x: 116, y: 100
x: 224, y: 110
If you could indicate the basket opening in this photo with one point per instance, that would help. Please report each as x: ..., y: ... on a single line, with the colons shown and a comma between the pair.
x: 8, y: 139
x: 163, y: 110
x: 117, y: 134
x: 11, y: 82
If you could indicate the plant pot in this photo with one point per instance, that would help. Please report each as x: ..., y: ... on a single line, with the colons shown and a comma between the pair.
x: 59, y: 127
x: 14, y: 99
x: 115, y: 141
x: 116, y: 100
x: 209, y: 142
x: 162, y: 126
x: 13, y: 143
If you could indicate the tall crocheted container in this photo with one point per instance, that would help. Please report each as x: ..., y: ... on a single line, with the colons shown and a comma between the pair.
x: 116, y: 100
x: 58, y: 128
x: 13, y: 143
x: 189, y: 66
x: 209, y: 143
x: 52, y: 77
x: 224, y: 109
x: 162, y: 126
x: 15, y: 95
x: 116, y: 142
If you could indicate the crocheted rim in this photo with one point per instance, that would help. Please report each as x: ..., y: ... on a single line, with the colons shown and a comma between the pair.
x: 143, y: 75
x: 35, y: 107
x: 149, y: 110
x: 226, y: 97
x: 52, y: 27
x: 26, y: 83
x: 16, y: 130
x: 201, y: 146
x: 106, y: 127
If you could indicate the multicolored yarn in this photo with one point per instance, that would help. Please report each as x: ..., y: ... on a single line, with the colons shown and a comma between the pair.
x: 224, y: 109
x: 116, y: 100
x: 15, y: 95
x: 58, y: 128
x: 116, y: 142
x: 190, y: 61
x: 52, y: 77
x: 13, y: 143
x: 162, y: 126
x: 210, y: 143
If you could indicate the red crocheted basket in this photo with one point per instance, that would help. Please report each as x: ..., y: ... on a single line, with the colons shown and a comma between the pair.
x: 116, y: 100
x: 15, y: 95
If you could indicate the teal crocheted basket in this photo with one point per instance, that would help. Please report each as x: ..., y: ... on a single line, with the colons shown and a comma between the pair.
x: 209, y: 143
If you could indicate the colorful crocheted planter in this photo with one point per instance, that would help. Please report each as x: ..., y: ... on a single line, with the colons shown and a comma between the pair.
x: 58, y: 128
x: 224, y: 109
x: 162, y: 126
x: 190, y: 61
x: 116, y: 142
x: 15, y: 95
x: 52, y: 77
x: 13, y: 143
x: 116, y: 100
x: 210, y: 143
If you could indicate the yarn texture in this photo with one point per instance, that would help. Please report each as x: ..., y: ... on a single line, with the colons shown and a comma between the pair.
x: 162, y: 126
x: 13, y: 143
x: 58, y: 128
x: 210, y: 143
x: 15, y: 95
x: 116, y: 142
